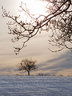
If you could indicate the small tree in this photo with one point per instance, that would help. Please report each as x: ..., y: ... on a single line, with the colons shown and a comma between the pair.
x: 27, y: 65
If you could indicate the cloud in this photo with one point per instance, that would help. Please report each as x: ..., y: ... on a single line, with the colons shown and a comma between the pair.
x: 64, y: 61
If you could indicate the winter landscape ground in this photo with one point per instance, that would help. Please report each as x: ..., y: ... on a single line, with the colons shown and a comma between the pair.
x: 35, y: 86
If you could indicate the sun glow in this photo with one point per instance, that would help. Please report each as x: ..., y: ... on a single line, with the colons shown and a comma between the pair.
x: 36, y: 8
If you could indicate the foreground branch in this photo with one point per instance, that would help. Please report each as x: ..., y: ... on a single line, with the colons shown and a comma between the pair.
x: 58, y: 20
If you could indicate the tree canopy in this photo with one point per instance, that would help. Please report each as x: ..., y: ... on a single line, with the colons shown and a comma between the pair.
x: 58, y: 20
x: 27, y: 65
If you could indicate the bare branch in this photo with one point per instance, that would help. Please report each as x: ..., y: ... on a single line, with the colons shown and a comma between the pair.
x: 58, y: 20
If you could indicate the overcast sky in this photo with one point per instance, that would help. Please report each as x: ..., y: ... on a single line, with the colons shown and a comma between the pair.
x: 37, y: 48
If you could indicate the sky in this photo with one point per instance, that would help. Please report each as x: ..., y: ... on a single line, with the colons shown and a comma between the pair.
x: 37, y: 47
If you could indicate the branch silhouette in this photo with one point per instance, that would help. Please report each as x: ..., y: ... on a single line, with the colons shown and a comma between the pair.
x: 58, y: 20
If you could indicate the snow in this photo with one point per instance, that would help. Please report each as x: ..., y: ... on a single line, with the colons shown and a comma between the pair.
x: 35, y: 86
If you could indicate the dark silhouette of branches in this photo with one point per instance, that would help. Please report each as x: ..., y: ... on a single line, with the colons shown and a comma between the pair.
x: 27, y: 65
x: 58, y: 19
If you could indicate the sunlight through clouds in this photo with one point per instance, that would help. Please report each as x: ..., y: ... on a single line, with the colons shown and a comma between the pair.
x: 36, y: 8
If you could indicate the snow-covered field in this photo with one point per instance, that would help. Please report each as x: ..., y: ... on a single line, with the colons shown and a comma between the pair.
x: 35, y: 86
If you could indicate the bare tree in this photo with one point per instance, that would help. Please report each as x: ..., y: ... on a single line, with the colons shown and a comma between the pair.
x: 58, y: 20
x: 27, y: 65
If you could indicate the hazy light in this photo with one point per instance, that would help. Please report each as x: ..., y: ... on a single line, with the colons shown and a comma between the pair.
x: 36, y: 8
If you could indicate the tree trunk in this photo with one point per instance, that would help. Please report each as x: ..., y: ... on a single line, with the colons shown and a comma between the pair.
x: 28, y: 73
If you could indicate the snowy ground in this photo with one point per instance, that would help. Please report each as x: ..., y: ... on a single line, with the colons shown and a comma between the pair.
x: 35, y: 86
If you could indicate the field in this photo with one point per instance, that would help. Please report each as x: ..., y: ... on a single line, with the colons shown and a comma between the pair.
x: 35, y: 86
